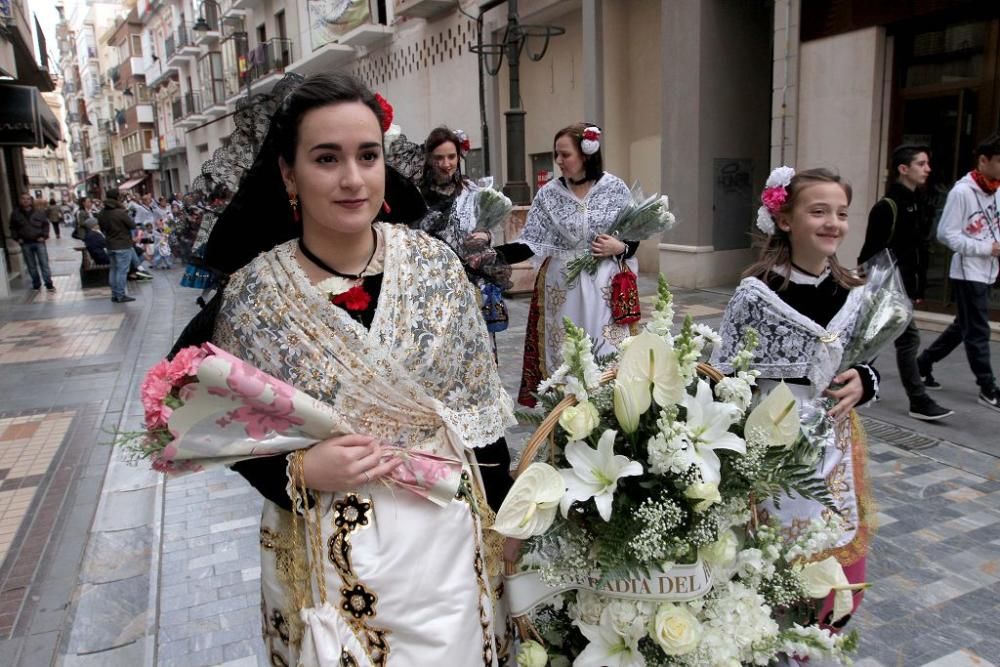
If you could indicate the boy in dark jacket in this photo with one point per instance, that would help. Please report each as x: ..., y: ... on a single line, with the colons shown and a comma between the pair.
x: 30, y: 227
x: 117, y: 226
x: 900, y: 222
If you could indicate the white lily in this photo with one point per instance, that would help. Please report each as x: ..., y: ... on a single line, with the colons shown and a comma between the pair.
x: 595, y: 473
x: 649, y: 369
x: 530, y: 506
x: 819, y: 579
x: 709, y: 422
x: 775, y: 419
x: 607, y: 648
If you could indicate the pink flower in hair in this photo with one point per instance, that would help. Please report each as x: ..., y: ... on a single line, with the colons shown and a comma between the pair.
x: 774, y: 198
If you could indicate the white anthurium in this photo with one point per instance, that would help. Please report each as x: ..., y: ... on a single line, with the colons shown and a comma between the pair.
x: 595, y: 473
x: 776, y: 418
x: 530, y: 506
x: 819, y: 579
x: 606, y: 647
x: 708, y: 422
x: 627, y: 405
x: 649, y: 368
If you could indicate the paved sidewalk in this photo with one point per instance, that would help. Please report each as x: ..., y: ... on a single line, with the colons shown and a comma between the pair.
x: 111, y: 565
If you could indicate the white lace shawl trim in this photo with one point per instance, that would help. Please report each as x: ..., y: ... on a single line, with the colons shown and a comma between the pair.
x: 561, y: 225
x: 791, y: 344
x: 426, y: 361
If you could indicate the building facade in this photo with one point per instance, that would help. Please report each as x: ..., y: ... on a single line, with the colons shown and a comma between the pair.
x: 26, y: 121
x: 50, y: 170
x: 698, y: 100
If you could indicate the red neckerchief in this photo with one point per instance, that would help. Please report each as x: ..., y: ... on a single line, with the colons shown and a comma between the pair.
x: 987, y: 184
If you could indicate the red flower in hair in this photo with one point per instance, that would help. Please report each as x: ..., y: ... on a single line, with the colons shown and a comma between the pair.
x: 591, y: 135
x: 386, y: 112
x: 466, y: 145
x: 354, y: 299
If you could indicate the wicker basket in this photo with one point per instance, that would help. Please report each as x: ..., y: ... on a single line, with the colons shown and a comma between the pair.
x: 545, y: 433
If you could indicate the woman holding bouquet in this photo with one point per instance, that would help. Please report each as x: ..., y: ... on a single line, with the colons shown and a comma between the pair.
x: 804, y: 306
x: 457, y: 215
x: 377, y: 321
x: 569, y: 217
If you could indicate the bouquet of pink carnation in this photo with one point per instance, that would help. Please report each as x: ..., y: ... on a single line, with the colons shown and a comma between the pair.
x: 206, y: 408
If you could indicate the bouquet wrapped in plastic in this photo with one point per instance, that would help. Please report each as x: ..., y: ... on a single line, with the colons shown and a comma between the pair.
x: 206, y: 408
x: 642, y: 218
x: 492, y: 207
x: 884, y: 312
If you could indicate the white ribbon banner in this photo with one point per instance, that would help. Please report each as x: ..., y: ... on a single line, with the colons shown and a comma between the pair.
x: 681, y: 583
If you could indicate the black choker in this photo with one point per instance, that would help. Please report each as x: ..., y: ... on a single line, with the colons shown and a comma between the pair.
x: 329, y: 269
x: 808, y: 273
x: 580, y: 182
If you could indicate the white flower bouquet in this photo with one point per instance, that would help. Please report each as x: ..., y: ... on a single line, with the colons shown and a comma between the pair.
x: 641, y: 543
x: 642, y: 218
x: 492, y: 207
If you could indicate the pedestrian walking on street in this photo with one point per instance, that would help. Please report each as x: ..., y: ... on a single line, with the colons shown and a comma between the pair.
x: 570, y: 216
x: 117, y: 226
x: 55, y: 214
x: 301, y: 256
x: 29, y: 226
x: 970, y: 227
x: 900, y: 221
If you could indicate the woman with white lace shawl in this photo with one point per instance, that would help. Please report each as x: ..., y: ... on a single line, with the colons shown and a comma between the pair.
x: 803, y: 304
x: 569, y: 217
x: 380, y: 322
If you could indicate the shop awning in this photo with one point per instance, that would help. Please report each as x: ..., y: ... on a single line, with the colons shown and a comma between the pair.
x: 131, y: 183
x: 25, y: 118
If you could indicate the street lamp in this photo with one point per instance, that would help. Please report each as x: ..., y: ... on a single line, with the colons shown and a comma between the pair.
x: 515, y: 39
x: 202, y: 25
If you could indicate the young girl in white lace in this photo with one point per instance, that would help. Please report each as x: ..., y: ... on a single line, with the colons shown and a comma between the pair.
x: 803, y: 304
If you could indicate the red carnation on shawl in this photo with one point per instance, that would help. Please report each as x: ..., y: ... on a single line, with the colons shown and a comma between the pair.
x: 386, y: 111
x: 354, y: 299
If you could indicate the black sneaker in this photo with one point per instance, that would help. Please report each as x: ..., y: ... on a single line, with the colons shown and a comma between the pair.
x: 51, y: 288
x: 990, y: 397
x: 123, y: 299
x: 926, y: 409
x: 924, y: 369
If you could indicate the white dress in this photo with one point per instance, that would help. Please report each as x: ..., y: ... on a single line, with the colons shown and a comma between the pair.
x: 560, y: 227
x: 407, y: 579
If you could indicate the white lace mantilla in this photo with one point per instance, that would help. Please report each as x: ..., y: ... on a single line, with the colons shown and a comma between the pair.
x: 792, y: 345
x: 425, y: 363
x: 561, y: 225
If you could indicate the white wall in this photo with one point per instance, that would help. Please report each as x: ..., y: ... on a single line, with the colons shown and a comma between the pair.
x: 428, y: 76
x: 840, y: 118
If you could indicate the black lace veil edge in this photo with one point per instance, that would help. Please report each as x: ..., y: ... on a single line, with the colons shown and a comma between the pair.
x: 258, y: 217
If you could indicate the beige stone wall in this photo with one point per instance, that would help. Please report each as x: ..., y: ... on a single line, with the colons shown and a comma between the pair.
x: 427, y: 71
x: 840, y: 118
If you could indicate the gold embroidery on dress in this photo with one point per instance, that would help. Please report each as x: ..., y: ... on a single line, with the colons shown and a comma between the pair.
x: 347, y: 660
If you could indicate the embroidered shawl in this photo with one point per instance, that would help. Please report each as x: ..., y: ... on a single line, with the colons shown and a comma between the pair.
x: 425, y: 363
x: 792, y: 345
x: 561, y: 225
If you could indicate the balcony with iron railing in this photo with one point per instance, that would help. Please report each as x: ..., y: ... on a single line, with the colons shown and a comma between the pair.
x: 271, y: 57
x: 191, y: 112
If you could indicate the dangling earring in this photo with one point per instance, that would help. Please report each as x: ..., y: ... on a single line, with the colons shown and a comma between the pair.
x: 293, y: 201
x: 386, y: 207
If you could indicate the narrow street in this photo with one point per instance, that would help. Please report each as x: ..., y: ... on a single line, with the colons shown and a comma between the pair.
x: 108, y: 564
